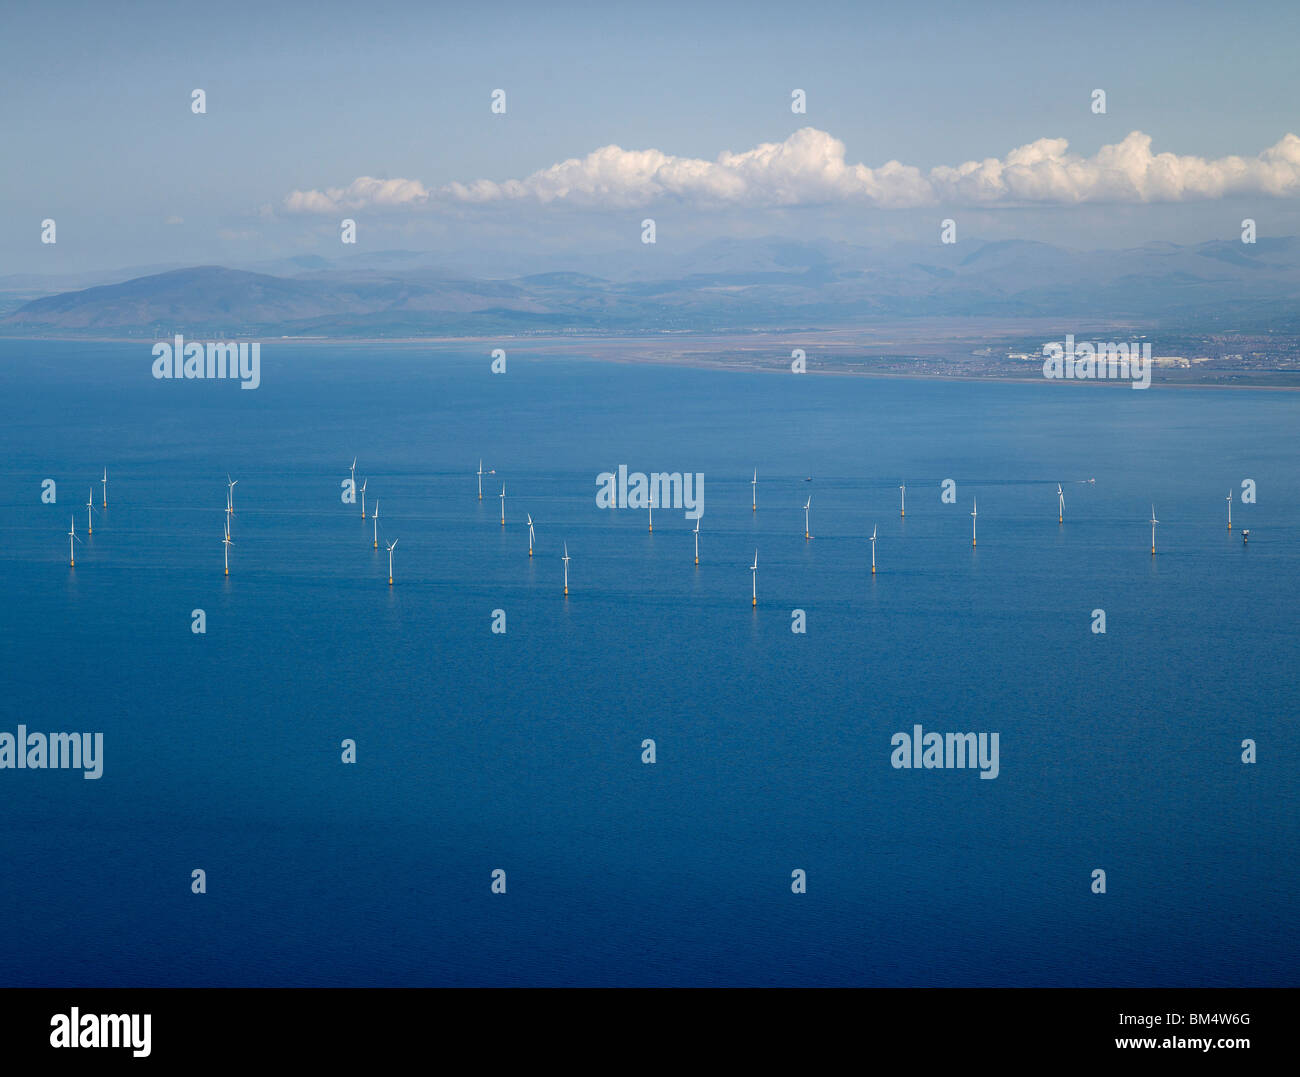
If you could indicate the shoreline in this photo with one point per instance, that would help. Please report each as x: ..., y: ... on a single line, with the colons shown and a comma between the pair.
x: 555, y: 347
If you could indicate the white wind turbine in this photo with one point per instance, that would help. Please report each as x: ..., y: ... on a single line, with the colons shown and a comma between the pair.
x: 227, y: 542
x: 480, y: 479
x: 72, y: 537
x: 230, y: 494
x: 697, y: 541
x: 566, y: 568
x: 1154, y: 521
x: 873, y: 549
x: 105, y: 482
x: 1060, y: 504
x: 902, y: 499
x: 503, y: 504
x: 974, y: 512
x: 376, y: 522
x: 90, y: 507
x: 806, y: 533
x: 530, y: 533
x: 363, y: 497
x: 353, y: 469
x: 1229, y: 510
x: 754, y: 581
x: 753, y: 492
x: 391, y: 547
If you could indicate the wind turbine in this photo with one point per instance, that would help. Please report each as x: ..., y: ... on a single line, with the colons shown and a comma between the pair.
x: 230, y: 494
x: 566, y: 568
x: 873, y: 549
x: 754, y: 582
x: 90, y: 507
x: 1229, y: 510
x: 376, y: 519
x: 1154, y: 521
x: 697, y: 541
x: 973, y: 513
x: 72, y: 537
x: 1060, y: 504
x: 227, y: 542
x: 480, y: 479
x: 391, y: 548
x: 902, y: 499
x: 806, y: 533
x: 530, y: 533
x: 753, y: 492
x: 363, y: 497
x: 503, y: 504
x: 354, y: 473
x: 105, y: 482
x: 652, y: 511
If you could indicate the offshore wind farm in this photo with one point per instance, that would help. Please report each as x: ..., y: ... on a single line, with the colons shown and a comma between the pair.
x: 522, y: 751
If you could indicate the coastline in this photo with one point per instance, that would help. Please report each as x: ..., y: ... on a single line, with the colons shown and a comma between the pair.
x: 630, y: 350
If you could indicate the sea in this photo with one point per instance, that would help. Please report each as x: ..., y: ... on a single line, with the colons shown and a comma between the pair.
x: 500, y: 825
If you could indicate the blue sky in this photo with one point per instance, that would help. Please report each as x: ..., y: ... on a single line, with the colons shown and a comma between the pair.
x: 99, y: 135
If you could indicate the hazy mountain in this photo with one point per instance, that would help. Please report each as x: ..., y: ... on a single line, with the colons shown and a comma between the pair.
x: 726, y: 284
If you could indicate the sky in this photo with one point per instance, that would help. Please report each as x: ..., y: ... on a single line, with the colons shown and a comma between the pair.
x: 305, y: 100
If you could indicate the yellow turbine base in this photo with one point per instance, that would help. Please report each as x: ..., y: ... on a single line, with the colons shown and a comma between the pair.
x: 1229, y: 525
x: 754, y: 603
x: 566, y: 590
x: 697, y: 560
x: 72, y: 564
x: 227, y: 572
x: 652, y: 528
x: 530, y: 551
x: 873, y: 570
x: 390, y: 581
x: 376, y: 544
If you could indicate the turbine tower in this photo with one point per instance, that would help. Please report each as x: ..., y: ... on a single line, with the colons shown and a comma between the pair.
x: 806, y: 533
x: 566, y: 568
x: 391, y: 547
x: 1154, y: 521
x: 973, y: 513
x: 902, y: 499
x: 530, y: 533
x: 873, y: 549
x: 754, y: 580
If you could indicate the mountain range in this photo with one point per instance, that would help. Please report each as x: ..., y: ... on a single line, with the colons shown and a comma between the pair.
x: 724, y: 285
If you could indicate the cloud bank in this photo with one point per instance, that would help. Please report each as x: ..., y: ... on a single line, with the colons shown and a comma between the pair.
x: 809, y: 169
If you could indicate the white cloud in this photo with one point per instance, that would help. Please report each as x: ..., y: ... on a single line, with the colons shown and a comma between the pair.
x: 809, y: 168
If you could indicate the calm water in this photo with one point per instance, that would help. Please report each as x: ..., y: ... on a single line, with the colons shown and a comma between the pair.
x: 522, y: 751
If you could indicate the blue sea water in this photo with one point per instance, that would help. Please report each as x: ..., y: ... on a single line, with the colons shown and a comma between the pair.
x: 522, y: 751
